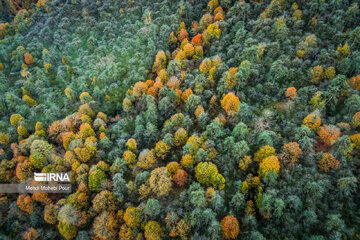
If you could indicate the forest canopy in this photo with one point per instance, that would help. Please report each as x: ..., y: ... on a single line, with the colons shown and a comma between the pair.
x: 183, y: 119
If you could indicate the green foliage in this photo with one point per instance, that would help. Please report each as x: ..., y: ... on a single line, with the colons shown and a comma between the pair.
x: 96, y: 179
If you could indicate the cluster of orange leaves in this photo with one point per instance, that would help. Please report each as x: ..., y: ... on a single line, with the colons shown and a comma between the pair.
x: 230, y: 227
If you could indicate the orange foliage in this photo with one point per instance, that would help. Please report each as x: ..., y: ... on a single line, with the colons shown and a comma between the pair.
x: 219, y: 17
x: 180, y: 177
x: 139, y: 88
x: 230, y: 227
x: 153, y: 91
x: 28, y: 58
x: 183, y: 34
x: 355, y: 82
x: 230, y: 102
x: 328, y: 134
x: 25, y: 203
x: 356, y: 120
x: 197, y: 40
x: 290, y: 93
x: 199, y: 110
x: 328, y: 162
x: 292, y: 153
x: 186, y: 94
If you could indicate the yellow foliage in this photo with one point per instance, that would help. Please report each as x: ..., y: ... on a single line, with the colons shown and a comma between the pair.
x: 29, y: 101
x: 328, y: 162
x: 213, y: 30
x: 4, y: 138
x: 161, y: 150
x: 264, y: 152
x: 269, y: 164
x: 146, y: 159
x: 355, y: 139
x: 330, y: 73
x: 343, y: 50
x: 317, y: 74
x: 312, y: 121
x: 16, y: 119
x: 131, y: 144
x: 231, y: 79
x: 22, y: 131
x: 245, y: 162
x: 85, y: 97
x: 129, y: 157
x: 180, y: 137
x: 187, y: 161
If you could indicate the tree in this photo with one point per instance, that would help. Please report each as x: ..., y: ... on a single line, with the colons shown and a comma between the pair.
x: 328, y: 134
x: 292, y: 153
x: 152, y: 208
x: 96, y: 178
x: 16, y: 119
x: 161, y: 150
x: 317, y: 74
x: 207, y: 173
x: 180, y: 137
x: 160, y: 61
x: 28, y: 58
x: 187, y: 161
x: 231, y: 79
x: 356, y: 120
x: 230, y: 102
x: 104, y: 201
x: 37, y: 160
x: 120, y: 188
x: 230, y: 227
x: 131, y: 144
x: 146, y: 159
x: 355, y: 139
x: 86, y: 131
x: 290, y: 93
x: 50, y: 214
x: 159, y: 181
x: 172, y: 167
x: 129, y: 157
x: 269, y: 164
x: 312, y: 121
x: 132, y: 217
x: 153, y: 231
x: 105, y: 226
x: 180, y: 177
x: 68, y: 231
x: 328, y: 162
x: 264, y: 152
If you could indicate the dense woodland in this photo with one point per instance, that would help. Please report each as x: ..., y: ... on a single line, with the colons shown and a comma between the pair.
x: 181, y: 119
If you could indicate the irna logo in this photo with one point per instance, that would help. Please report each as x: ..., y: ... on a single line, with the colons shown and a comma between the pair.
x: 52, y: 177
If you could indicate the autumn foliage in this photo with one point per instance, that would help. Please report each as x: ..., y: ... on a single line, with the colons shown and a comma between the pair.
x: 230, y: 227
x: 230, y: 102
